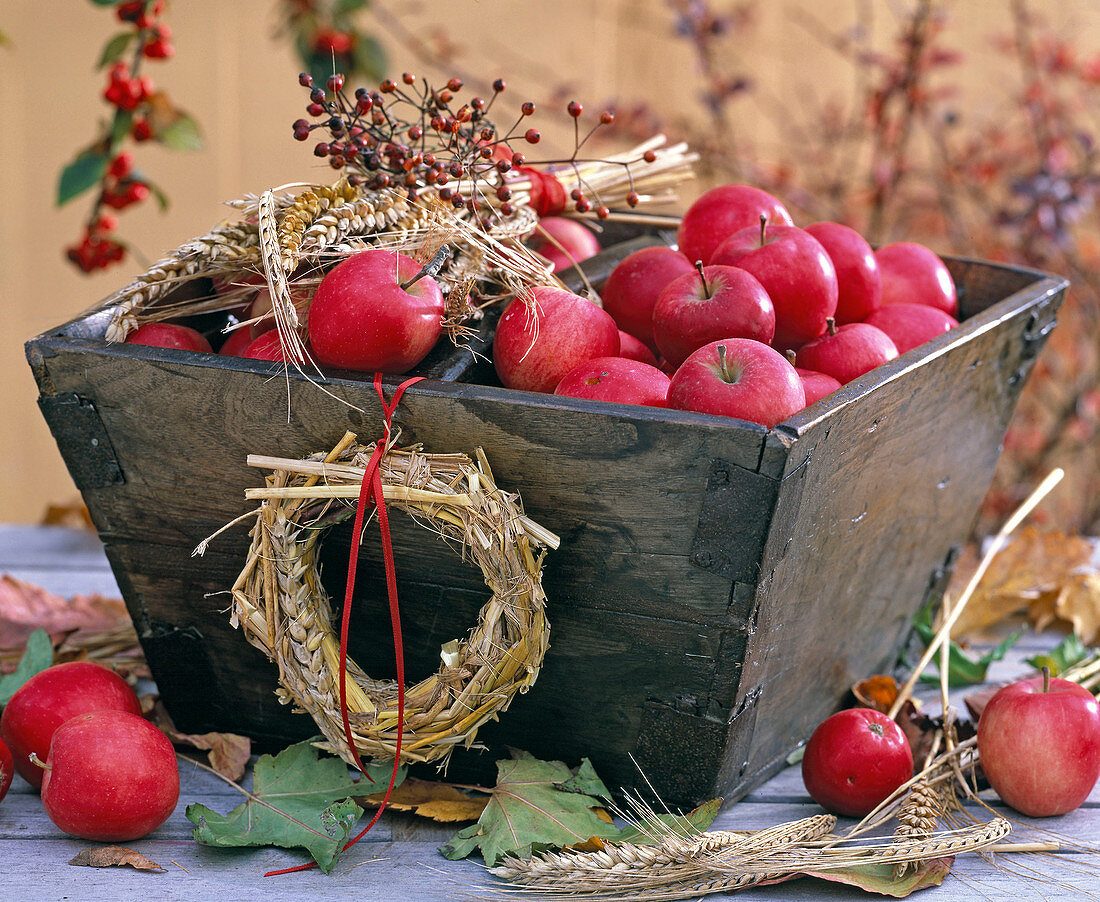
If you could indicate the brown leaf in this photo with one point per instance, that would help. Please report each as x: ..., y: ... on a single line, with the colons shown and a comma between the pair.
x: 878, y: 692
x: 976, y: 701
x: 25, y: 607
x: 1078, y: 602
x: 1032, y: 564
x: 73, y: 514
x: 114, y: 856
x: 439, y: 801
x: 228, y: 753
x: 918, y: 728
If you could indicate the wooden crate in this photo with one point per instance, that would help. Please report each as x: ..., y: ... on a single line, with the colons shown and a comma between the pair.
x: 719, y: 585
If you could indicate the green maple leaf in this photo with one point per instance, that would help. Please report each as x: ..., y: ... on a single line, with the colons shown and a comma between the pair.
x: 535, y: 805
x: 37, y: 656
x: 298, y: 799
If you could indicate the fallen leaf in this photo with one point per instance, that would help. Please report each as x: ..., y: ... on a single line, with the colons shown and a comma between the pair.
x: 534, y: 805
x: 298, y: 800
x: 25, y: 607
x: 114, y: 856
x: 439, y: 801
x: 878, y: 692
x: 1058, y: 660
x: 880, y: 879
x: 1032, y: 564
x: 73, y: 514
x: 228, y: 753
x: 37, y: 656
x: 1078, y: 603
x: 976, y: 701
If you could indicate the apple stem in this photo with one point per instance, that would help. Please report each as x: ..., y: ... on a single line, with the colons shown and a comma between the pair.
x: 763, y: 228
x: 723, y: 366
x: 1046, y: 678
x: 830, y: 325
x: 790, y: 355
x: 39, y: 762
x: 703, y: 276
x: 431, y: 268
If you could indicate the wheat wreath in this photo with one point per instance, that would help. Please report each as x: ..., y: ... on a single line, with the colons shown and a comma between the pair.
x: 282, y: 608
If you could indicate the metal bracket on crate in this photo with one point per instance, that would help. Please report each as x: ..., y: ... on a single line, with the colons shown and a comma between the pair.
x: 83, y: 440
x: 733, y: 521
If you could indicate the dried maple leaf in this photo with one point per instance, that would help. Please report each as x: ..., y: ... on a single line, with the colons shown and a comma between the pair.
x: 114, y: 856
x: 1078, y: 602
x: 1032, y: 565
x: 439, y: 801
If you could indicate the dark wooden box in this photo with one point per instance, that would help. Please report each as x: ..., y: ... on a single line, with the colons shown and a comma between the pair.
x: 718, y: 588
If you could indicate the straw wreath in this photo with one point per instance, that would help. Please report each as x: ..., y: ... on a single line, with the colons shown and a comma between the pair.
x: 282, y: 608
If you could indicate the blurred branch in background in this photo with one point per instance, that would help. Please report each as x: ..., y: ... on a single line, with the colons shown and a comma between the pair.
x: 898, y: 160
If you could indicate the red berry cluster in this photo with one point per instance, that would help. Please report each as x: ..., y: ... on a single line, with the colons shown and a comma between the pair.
x: 129, y: 93
x: 125, y: 91
x: 412, y: 135
x: 121, y: 187
x: 96, y: 250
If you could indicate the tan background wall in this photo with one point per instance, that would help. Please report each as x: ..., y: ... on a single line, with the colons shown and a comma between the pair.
x: 239, y: 82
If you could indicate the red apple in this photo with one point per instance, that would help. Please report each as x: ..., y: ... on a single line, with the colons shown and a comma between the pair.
x: 632, y: 288
x: 817, y: 385
x: 616, y: 379
x: 855, y: 760
x: 7, y: 769
x: 700, y: 307
x: 738, y: 377
x: 847, y: 352
x: 239, y: 339
x: 563, y: 241
x: 719, y: 213
x: 110, y: 776
x: 362, y: 319
x: 859, y: 285
x: 541, y: 336
x: 909, y: 325
x: 170, y: 335
x: 267, y: 346
x: 796, y: 273
x: 635, y: 349
x: 1039, y: 745
x: 51, y: 697
x: 913, y: 274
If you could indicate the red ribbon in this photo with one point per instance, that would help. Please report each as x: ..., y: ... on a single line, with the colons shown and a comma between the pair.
x: 371, y: 493
x: 547, y: 193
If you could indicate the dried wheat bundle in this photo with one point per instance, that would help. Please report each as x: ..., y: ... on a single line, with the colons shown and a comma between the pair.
x: 300, y: 228
x: 282, y: 608
x: 674, y: 867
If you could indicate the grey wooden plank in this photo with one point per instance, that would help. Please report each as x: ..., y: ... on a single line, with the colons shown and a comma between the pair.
x: 62, y: 547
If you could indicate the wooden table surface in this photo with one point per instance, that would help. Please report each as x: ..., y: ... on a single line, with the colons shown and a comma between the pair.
x: 398, y: 861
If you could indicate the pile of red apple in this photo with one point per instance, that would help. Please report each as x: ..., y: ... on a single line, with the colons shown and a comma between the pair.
x: 75, y: 732
x: 748, y: 317
x: 714, y: 324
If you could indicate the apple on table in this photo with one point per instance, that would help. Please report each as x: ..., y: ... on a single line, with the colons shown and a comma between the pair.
x: 1039, y: 745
